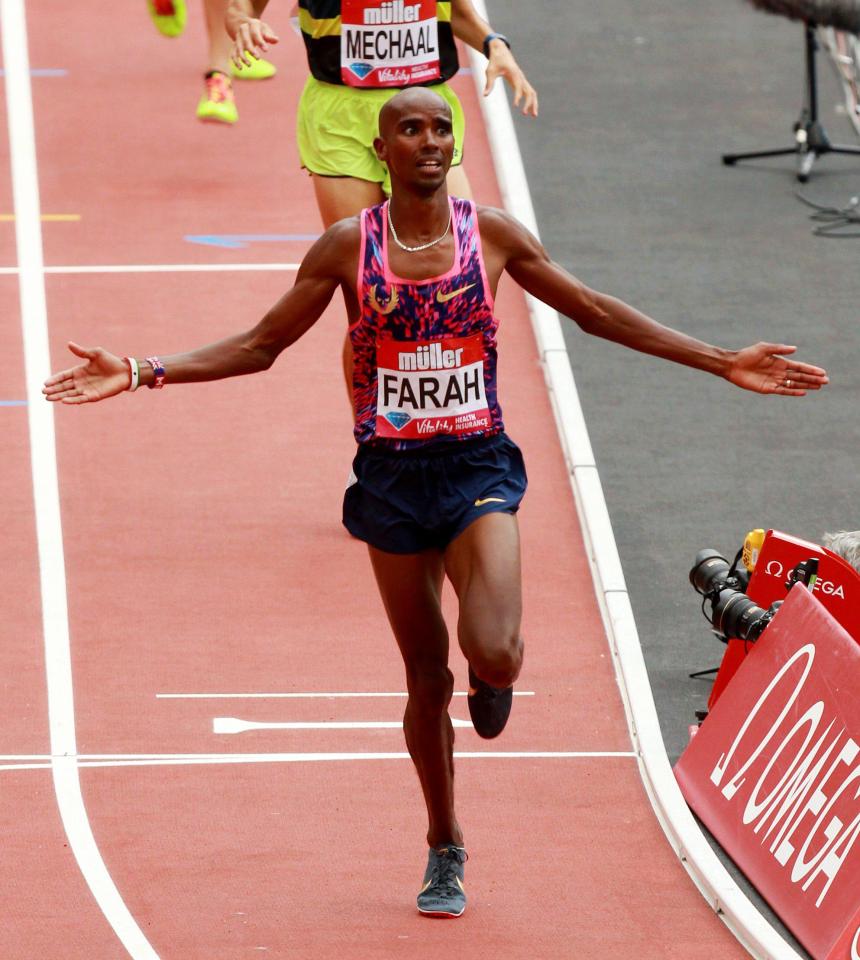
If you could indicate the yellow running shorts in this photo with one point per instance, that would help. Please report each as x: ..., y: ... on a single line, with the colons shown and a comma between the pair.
x: 336, y: 126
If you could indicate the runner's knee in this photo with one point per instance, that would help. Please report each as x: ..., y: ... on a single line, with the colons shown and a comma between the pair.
x: 498, y: 663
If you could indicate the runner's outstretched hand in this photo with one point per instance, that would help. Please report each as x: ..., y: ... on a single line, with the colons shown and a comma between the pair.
x: 102, y: 376
x: 502, y: 63
x: 762, y: 369
x: 250, y: 36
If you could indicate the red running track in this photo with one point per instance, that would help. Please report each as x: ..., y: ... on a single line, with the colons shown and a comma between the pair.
x: 204, y: 554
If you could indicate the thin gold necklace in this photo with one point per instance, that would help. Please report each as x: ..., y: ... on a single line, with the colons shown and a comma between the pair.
x: 423, y: 246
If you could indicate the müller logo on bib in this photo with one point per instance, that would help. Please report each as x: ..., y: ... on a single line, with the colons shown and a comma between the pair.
x: 391, y: 43
x: 430, y: 388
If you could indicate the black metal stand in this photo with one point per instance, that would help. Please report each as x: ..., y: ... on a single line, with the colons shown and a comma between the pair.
x: 703, y: 673
x: 812, y: 140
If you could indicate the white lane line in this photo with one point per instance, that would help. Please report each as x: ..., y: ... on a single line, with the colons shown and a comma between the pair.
x: 31, y: 283
x: 235, y: 725
x: 722, y: 893
x: 160, y: 268
x: 302, y: 696
x: 10, y: 763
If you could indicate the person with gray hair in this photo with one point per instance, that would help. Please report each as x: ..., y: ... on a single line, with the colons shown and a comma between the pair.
x: 845, y: 544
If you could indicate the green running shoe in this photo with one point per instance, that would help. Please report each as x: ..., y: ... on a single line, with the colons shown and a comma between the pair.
x: 443, y: 893
x: 217, y: 104
x: 489, y: 707
x: 257, y: 69
x: 169, y: 16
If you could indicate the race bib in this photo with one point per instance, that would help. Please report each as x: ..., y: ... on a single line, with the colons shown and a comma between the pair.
x: 426, y: 389
x: 388, y: 43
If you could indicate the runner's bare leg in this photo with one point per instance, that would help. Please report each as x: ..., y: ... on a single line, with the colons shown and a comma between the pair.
x: 220, y: 43
x: 483, y: 564
x: 458, y: 183
x: 411, y: 586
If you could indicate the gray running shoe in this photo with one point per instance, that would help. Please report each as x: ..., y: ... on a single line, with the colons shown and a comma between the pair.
x: 443, y: 894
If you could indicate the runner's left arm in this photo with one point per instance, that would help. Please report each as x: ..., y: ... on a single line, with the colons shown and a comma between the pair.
x: 762, y: 367
x: 472, y: 30
x: 104, y: 374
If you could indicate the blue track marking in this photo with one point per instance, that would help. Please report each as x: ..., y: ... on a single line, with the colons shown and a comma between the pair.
x: 238, y: 241
x: 13, y: 403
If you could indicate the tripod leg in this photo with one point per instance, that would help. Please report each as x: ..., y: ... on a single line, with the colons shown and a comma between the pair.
x: 804, y: 164
x: 730, y: 159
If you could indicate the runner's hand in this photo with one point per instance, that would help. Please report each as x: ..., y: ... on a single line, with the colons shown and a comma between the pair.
x: 761, y: 368
x: 102, y: 376
x: 503, y: 64
x: 250, y: 36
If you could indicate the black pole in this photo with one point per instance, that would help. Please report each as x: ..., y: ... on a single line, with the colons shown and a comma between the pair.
x: 812, y: 80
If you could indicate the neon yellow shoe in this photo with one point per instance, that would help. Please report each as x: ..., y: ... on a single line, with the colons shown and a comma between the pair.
x: 258, y: 69
x: 217, y: 103
x: 169, y: 16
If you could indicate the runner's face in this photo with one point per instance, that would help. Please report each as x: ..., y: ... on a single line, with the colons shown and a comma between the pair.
x: 419, y: 146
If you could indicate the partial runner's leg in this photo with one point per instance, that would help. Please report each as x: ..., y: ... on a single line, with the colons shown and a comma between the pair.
x: 483, y: 564
x: 220, y: 43
x: 458, y: 183
x: 341, y: 197
x: 410, y: 586
x: 217, y: 105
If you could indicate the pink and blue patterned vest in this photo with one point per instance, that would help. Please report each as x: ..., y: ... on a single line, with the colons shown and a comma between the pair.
x: 424, y: 350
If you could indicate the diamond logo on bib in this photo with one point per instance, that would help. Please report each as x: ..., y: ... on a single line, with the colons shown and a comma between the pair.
x: 398, y: 420
x: 361, y: 70
x: 388, y: 43
x: 431, y: 388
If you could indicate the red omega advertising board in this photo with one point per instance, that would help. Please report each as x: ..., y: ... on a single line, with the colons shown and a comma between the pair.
x: 774, y: 774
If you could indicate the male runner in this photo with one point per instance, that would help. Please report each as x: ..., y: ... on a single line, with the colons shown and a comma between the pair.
x: 436, y: 482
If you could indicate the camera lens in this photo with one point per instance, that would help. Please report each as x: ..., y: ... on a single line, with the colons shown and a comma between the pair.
x: 735, y: 615
x: 710, y: 571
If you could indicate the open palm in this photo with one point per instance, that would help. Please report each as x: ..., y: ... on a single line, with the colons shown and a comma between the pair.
x: 103, y: 375
x: 762, y: 368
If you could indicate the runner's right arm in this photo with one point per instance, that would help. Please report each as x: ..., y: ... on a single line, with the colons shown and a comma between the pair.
x: 324, y: 268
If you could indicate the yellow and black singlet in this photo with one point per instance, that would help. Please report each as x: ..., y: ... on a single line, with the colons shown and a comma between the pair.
x: 379, y: 43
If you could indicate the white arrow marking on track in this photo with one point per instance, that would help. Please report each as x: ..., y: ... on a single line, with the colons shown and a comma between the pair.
x: 234, y: 725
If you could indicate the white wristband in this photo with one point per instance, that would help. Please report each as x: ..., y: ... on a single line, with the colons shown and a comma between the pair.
x: 135, y: 373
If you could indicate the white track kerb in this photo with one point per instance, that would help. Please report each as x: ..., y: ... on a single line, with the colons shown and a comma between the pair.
x: 55, y: 625
x: 679, y: 825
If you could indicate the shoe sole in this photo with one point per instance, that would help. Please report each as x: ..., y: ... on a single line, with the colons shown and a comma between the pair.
x: 241, y: 75
x: 437, y: 915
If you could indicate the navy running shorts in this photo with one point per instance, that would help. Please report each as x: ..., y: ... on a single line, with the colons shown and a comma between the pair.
x: 406, y: 501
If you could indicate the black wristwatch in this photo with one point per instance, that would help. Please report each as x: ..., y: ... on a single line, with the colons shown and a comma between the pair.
x: 494, y: 36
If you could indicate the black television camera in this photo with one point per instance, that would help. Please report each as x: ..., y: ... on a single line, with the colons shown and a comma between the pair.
x: 723, y: 585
